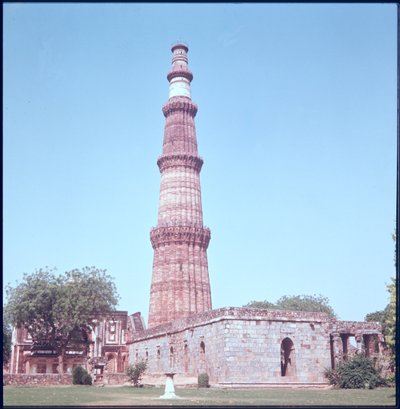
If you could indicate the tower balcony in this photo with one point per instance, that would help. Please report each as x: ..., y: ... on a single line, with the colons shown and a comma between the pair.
x: 180, y: 234
x: 180, y: 159
x: 179, y: 103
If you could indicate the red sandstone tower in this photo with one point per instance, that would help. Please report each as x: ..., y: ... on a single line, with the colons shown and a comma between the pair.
x: 180, y: 284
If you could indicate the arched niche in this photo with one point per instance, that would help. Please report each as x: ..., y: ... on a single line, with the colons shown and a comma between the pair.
x: 288, y: 360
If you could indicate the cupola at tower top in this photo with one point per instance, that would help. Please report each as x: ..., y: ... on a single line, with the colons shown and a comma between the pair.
x: 179, y: 44
x: 180, y: 76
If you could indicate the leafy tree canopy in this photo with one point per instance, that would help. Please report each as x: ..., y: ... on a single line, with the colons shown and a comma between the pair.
x: 389, y: 322
x: 377, y: 316
x: 261, y: 304
x: 311, y: 303
x: 56, y: 309
x: 387, y: 317
x: 7, y: 334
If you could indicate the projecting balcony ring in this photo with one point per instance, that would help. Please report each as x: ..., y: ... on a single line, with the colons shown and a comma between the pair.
x: 180, y: 234
x: 180, y: 73
x: 179, y: 104
x: 194, y: 162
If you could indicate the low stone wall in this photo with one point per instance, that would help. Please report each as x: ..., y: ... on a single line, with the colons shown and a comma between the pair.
x: 37, y: 379
x: 55, y: 379
x: 116, y: 379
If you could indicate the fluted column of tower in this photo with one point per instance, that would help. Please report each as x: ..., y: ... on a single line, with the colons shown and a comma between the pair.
x: 180, y: 284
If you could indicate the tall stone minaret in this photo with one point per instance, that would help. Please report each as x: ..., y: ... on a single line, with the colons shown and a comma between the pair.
x: 180, y: 284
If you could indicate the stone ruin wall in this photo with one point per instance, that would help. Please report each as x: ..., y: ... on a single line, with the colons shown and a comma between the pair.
x: 187, y: 357
x: 37, y: 379
x: 253, y: 351
x: 240, y: 346
x: 55, y: 379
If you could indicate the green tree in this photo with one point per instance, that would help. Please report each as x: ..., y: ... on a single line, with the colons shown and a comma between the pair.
x: 60, y: 310
x: 394, y: 237
x: 377, y: 316
x: 136, y: 371
x: 387, y: 317
x: 311, y: 303
x: 261, y: 304
x: 7, y: 335
x: 389, y: 321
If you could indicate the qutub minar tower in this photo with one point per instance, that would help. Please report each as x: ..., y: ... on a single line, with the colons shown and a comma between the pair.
x: 180, y: 283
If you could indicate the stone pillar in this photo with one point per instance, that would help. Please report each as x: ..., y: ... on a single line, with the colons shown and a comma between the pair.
x: 61, y: 361
x: 358, y: 338
x: 337, y: 348
x: 16, y: 360
x: 13, y: 359
x: 381, y: 344
x: 105, y: 374
x: 368, y: 344
x: 28, y: 366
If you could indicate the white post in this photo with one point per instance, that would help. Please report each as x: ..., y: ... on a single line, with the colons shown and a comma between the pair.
x: 169, y: 387
x: 13, y: 365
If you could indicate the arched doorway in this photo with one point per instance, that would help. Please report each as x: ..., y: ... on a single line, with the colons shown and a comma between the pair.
x: 158, y: 359
x: 202, y: 363
x: 124, y: 363
x: 287, y: 358
x: 171, y: 358
x: 186, y: 358
x: 111, y: 363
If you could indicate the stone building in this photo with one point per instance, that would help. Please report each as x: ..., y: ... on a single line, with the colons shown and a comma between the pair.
x: 235, y: 346
x: 245, y: 346
x: 105, y: 357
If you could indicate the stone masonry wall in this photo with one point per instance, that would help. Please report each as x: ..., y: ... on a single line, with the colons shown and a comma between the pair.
x: 116, y: 379
x: 188, y: 355
x: 253, y: 351
x: 55, y: 379
x: 238, y: 345
x: 38, y: 379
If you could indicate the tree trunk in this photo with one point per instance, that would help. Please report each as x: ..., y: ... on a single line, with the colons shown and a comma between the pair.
x: 61, y: 361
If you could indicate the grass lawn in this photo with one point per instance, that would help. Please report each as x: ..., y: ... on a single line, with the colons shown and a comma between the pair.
x: 128, y: 396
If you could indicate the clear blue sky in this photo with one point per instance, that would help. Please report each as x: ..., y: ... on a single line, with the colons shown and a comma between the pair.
x: 296, y: 125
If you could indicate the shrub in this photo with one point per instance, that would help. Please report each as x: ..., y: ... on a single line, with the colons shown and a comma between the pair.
x: 77, y: 375
x: 136, y: 371
x: 357, y: 373
x: 332, y: 376
x: 390, y: 380
x: 202, y: 380
x: 80, y: 376
x: 86, y: 379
